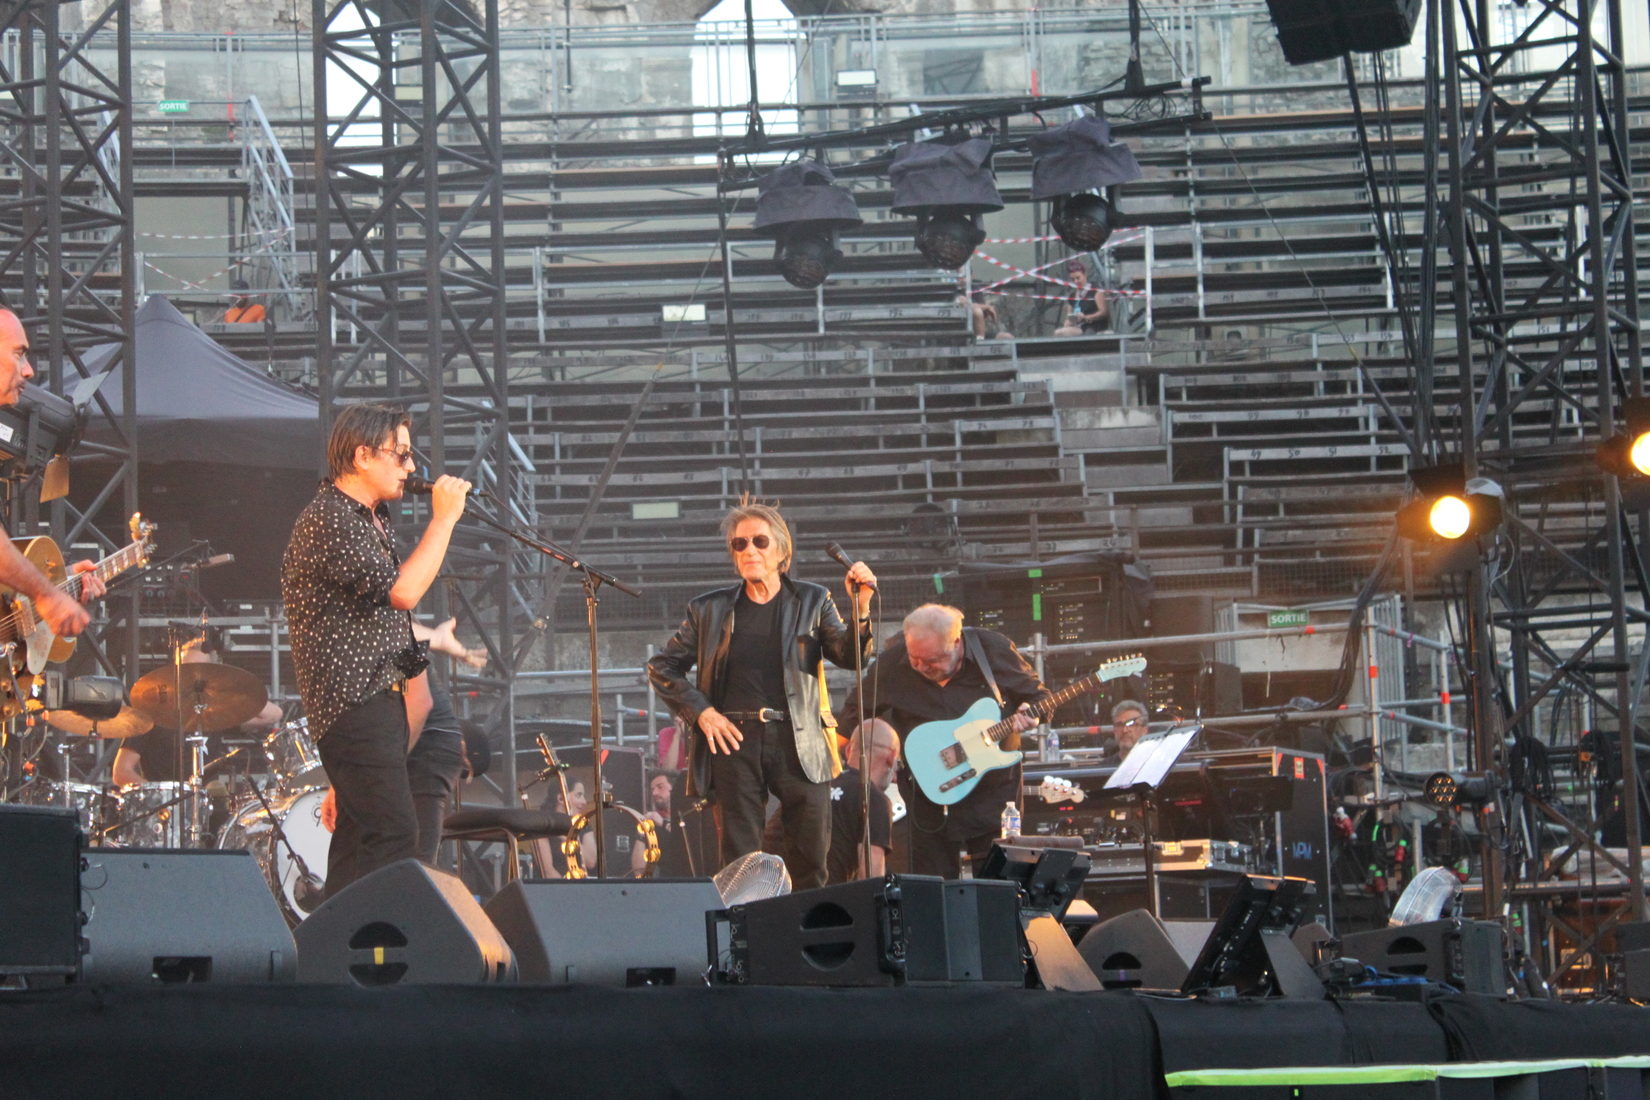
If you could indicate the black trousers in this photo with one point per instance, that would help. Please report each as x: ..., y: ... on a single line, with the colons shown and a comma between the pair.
x: 740, y: 782
x: 365, y: 753
x: 433, y: 768
x: 939, y: 833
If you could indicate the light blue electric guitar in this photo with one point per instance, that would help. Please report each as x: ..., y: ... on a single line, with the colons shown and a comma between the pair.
x: 949, y: 758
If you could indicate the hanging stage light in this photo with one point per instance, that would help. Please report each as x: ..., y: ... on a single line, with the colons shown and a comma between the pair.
x: 1627, y: 453
x: 802, y: 208
x: 947, y: 188
x: 1450, y: 507
x: 1070, y: 163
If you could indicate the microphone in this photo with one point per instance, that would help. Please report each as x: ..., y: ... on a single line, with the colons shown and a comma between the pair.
x: 839, y: 555
x: 417, y: 485
x: 216, y: 560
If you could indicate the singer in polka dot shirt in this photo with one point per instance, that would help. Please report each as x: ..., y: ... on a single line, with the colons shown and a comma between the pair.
x: 348, y: 600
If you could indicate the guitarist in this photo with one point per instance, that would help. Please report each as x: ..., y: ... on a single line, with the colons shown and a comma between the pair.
x: 57, y: 609
x: 935, y: 672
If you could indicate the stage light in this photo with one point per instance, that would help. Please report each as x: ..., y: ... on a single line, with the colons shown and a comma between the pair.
x: 1443, y: 789
x: 1449, y: 507
x: 946, y: 188
x: 1449, y: 517
x: 1627, y: 453
x: 1071, y: 163
x: 802, y: 208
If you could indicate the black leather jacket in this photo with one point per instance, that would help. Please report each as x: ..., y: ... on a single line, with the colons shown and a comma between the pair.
x: 813, y: 630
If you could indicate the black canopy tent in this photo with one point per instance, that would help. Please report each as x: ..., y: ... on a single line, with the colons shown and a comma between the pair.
x: 226, y: 453
x: 198, y: 402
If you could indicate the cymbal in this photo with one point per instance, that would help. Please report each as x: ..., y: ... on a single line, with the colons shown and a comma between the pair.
x: 226, y: 695
x: 128, y: 723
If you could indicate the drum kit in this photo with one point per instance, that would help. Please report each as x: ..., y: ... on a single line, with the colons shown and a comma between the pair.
x: 272, y: 806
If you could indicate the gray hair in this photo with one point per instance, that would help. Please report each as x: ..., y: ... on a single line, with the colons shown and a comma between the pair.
x: 766, y: 513
x: 1123, y: 706
x: 937, y: 619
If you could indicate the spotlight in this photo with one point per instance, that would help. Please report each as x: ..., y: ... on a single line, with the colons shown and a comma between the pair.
x: 1443, y: 789
x: 1449, y: 507
x: 947, y: 188
x: 1084, y: 222
x: 1072, y: 161
x: 946, y: 238
x: 1627, y: 453
x: 802, y: 207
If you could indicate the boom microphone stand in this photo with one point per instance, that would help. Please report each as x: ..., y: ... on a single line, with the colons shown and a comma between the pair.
x: 593, y: 580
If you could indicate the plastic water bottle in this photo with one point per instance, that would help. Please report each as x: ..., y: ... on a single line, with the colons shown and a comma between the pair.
x: 1011, y: 820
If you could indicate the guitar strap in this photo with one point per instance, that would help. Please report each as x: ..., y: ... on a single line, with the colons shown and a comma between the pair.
x: 977, y: 652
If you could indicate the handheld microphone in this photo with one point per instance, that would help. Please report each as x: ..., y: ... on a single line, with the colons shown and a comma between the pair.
x: 839, y: 555
x: 417, y: 485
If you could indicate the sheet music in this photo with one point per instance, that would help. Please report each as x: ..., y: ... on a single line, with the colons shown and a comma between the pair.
x: 1151, y: 758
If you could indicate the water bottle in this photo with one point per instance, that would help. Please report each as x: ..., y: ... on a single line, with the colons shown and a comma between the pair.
x: 1011, y: 820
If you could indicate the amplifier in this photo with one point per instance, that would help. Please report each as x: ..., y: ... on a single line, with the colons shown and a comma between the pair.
x: 1200, y: 854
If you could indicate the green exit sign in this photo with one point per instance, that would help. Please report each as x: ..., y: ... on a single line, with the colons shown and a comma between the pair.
x: 1278, y: 619
x: 174, y: 106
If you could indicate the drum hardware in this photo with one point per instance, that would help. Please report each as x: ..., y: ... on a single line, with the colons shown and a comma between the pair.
x: 310, y: 885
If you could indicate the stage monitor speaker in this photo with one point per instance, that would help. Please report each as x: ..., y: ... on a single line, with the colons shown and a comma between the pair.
x: 618, y: 932
x: 898, y: 930
x: 403, y: 924
x: 1135, y: 950
x: 39, y: 892
x: 1322, y: 30
x: 182, y: 915
x: 1464, y: 954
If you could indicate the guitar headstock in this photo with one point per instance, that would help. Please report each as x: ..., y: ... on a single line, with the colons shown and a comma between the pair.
x: 143, y: 534
x: 1118, y: 667
x: 1054, y: 789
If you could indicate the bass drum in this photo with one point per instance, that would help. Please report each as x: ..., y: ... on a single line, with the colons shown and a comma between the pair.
x: 299, y: 816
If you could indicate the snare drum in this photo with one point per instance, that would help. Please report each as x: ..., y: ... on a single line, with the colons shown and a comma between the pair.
x: 93, y: 804
x: 293, y: 756
x: 299, y: 816
x: 161, y: 815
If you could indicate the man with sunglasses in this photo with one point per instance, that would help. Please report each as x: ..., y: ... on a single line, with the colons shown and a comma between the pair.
x: 360, y: 670
x: 757, y: 711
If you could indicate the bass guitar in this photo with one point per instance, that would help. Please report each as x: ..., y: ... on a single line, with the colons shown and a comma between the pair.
x: 25, y: 636
x: 948, y: 758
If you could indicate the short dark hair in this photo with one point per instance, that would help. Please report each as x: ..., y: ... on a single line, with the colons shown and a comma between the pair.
x: 364, y: 425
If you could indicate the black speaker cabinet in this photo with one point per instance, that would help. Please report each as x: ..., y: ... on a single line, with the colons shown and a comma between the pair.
x: 1135, y: 950
x: 622, y: 932
x: 39, y: 891
x: 177, y: 915
x: 1465, y: 954
x: 403, y: 924
x: 1321, y: 30
x: 899, y: 930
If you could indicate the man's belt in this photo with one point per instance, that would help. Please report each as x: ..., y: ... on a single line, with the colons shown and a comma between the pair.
x: 766, y: 714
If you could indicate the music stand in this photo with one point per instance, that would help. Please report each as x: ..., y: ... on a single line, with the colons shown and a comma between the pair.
x: 1140, y: 774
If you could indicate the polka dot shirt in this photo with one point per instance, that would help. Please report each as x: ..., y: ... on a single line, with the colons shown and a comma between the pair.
x: 348, y: 643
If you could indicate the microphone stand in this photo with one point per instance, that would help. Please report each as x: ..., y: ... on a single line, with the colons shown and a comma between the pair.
x: 593, y: 580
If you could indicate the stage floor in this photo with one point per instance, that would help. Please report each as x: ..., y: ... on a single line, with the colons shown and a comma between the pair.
x: 240, y: 1042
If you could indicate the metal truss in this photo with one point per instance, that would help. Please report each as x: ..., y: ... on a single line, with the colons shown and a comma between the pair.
x: 1538, y: 221
x: 67, y: 261
x: 270, y: 224
x: 410, y: 279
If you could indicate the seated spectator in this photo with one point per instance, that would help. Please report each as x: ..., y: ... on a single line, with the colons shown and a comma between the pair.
x: 1091, y: 314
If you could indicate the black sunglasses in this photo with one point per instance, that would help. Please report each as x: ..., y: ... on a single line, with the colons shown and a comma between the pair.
x: 761, y: 542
